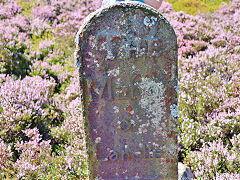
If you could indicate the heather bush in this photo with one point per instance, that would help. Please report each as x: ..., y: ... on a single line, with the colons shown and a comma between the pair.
x: 41, y: 128
x: 14, y: 60
x: 9, y: 8
x: 26, y: 103
x: 5, y: 156
x: 46, y: 13
x: 41, y: 132
x: 14, y: 29
x: 35, y: 158
x: 209, y: 122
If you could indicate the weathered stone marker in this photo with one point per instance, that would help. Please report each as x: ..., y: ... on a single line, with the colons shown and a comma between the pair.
x: 127, y: 57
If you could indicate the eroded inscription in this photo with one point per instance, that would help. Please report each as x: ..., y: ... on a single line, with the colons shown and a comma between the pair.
x: 143, y: 152
x: 112, y: 91
x: 119, y: 44
x: 129, y: 75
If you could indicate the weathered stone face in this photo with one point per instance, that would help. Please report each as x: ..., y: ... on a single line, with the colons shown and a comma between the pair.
x: 127, y: 55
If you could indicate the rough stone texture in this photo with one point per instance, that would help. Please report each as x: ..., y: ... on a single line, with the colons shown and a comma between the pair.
x: 184, y: 172
x: 127, y: 59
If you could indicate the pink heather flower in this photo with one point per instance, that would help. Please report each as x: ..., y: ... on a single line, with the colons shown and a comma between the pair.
x: 5, y: 155
x: 209, y: 80
x: 33, y: 152
x: 45, y: 44
x: 45, y: 13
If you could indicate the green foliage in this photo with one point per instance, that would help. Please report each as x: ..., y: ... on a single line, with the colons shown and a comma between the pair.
x: 14, y: 60
x: 37, y: 38
x: 194, y: 6
x: 27, y: 6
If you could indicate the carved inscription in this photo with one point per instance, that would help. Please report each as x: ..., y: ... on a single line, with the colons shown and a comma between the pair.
x: 120, y: 93
x: 143, y: 152
x: 128, y: 57
x: 129, y: 47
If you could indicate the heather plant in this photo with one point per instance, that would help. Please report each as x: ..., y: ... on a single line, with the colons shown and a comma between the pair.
x: 41, y: 128
x: 5, y: 155
x: 9, y: 8
x: 46, y: 13
x: 14, y: 60
x: 209, y: 98
x: 25, y: 103
x: 13, y: 33
x: 35, y: 157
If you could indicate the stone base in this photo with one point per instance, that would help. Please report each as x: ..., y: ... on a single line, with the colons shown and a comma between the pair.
x: 184, y: 172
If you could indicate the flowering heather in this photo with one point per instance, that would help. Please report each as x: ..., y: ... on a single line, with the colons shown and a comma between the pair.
x: 45, y: 13
x: 209, y: 99
x: 5, y: 155
x: 9, y: 8
x: 23, y: 101
x: 41, y: 128
x: 34, y: 157
x: 39, y: 27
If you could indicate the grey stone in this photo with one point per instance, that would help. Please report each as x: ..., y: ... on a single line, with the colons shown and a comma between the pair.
x: 184, y: 172
x: 127, y: 59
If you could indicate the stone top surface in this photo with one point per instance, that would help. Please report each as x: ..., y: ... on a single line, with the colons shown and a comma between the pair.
x: 127, y: 55
x: 99, y: 13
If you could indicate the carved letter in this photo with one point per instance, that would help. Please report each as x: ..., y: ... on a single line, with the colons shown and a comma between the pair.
x: 108, y: 91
